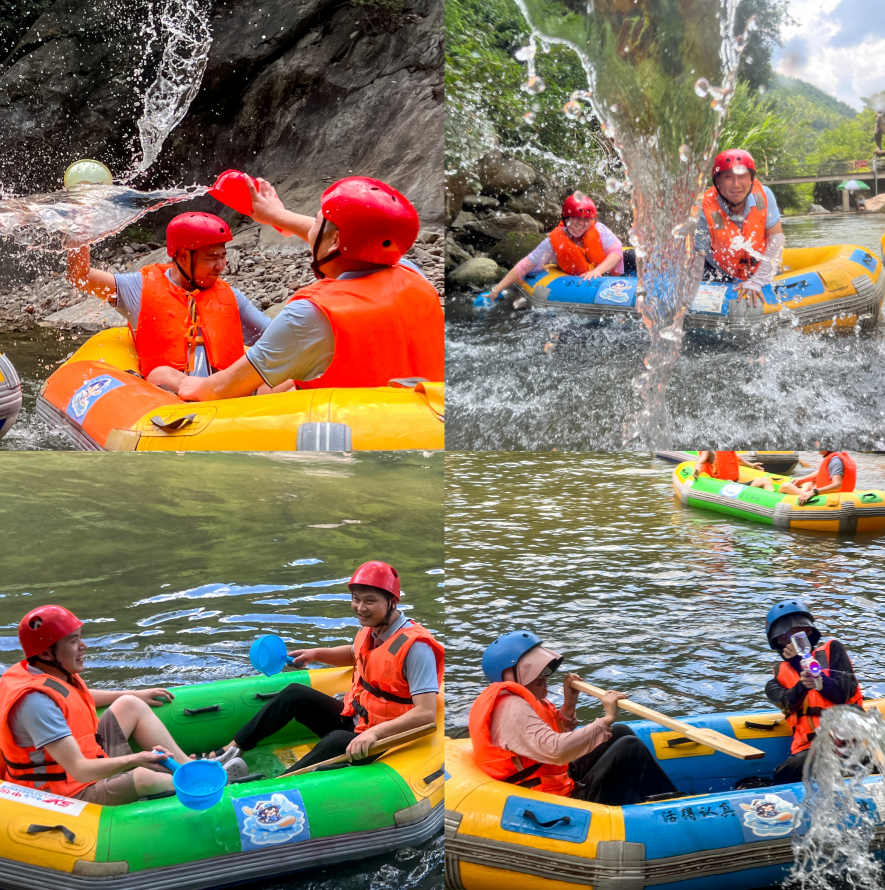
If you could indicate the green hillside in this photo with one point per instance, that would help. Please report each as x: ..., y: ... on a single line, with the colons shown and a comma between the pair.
x: 806, y: 104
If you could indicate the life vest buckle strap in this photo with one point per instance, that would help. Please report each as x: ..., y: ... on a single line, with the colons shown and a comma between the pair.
x: 388, y: 696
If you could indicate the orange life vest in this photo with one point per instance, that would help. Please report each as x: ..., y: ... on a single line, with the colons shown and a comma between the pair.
x: 725, y: 466
x: 806, y: 719
x: 388, y: 324
x: 504, y: 765
x: 848, y: 480
x: 380, y: 692
x: 78, y: 708
x: 736, y: 261
x: 572, y: 258
x: 170, y: 317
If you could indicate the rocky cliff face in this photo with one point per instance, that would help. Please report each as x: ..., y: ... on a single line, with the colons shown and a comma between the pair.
x: 300, y: 92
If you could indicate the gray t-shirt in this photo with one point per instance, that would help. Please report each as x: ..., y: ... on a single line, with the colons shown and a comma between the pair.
x: 35, y: 719
x: 836, y: 467
x: 128, y: 303
x: 703, y: 239
x: 299, y: 343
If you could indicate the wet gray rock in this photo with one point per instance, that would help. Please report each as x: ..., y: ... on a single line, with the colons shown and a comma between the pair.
x: 547, y: 212
x: 299, y: 93
x: 514, y: 246
x: 477, y: 272
x: 501, y: 225
x: 480, y: 202
x: 508, y: 177
x: 455, y: 254
x: 461, y: 220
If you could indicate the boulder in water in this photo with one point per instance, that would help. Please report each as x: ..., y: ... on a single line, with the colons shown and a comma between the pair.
x: 479, y: 272
x: 481, y: 202
x: 514, y: 246
x: 510, y: 177
x: 455, y: 254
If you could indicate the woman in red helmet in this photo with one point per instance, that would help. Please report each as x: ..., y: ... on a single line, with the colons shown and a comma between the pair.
x: 50, y: 736
x: 398, y: 669
x: 184, y: 318
x: 579, y: 245
x: 371, y: 316
x: 739, y: 231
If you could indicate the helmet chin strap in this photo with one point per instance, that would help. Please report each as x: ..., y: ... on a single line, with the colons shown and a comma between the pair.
x: 184, y: 275
x: 316, y: 262
x: 390, y: 610
x: 54, y: 664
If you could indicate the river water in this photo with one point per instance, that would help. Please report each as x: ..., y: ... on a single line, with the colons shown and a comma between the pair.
x: 505, y: 392
x: 176, y: 562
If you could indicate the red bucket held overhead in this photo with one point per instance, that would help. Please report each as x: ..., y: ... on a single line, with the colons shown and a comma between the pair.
x: 231, y: 188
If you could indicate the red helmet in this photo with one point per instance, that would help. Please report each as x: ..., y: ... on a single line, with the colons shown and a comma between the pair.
x: 731, y: 160
x: 45, y: 625
x: 193, y: 230
x: 375, y: 222
x: 230, y: 188
x: 578, y: 205
x: 377, y: 574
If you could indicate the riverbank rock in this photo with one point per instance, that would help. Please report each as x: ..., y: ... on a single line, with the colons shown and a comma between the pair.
x: 268, y: 276
x: 480, y: 202
x: 547, y: 212
x: 478, y: 272
x: 877, y: 204
x: 501, y: 225
x: 514, y: 246
x: 455, y: 254
x: 508, y: 177
x: 817, y: 208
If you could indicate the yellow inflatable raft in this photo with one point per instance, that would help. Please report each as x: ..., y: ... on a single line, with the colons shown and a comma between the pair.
x: 100, y: 400
x: 720, y: 832
x: 819, y: 288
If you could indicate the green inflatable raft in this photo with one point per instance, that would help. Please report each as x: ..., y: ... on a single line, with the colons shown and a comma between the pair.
x: 263, y: 826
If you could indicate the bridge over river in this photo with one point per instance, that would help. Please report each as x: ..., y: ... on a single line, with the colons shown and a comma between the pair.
x: 865, y: 170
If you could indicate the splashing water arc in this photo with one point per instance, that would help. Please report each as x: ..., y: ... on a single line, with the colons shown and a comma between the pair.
x: 649, y: 74
x: 185, y: 29
x: 844, y: 804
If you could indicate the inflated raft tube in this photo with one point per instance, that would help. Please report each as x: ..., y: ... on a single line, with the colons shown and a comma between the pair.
x: 98, y: 398
x: 711, y: 837
x: 819, y: 287
x: 843, y: 513
x: 10, y: 395
x: 159, y: 844
x: 772, y: 461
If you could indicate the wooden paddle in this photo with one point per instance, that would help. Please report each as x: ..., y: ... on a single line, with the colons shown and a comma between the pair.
x: 379, y: 747
x: 708, y: 737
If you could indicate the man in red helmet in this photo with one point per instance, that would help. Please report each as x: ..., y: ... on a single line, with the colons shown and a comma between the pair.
x: 186, y: 320
x: 740, y: 231
x: 579, y: 245
x: 50, y: 735
x: 398, y: 669
x: 370, y: 318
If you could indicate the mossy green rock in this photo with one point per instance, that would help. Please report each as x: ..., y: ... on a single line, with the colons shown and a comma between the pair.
x: 514, y: 246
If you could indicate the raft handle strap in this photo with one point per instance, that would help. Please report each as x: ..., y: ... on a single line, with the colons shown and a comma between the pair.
x: 264, y: 696
x: 171, y: 425
x: 192, y: 712
x: 252, y: 777
x: 766, y: 726
x: 528, y: 814
x: 70, y: 837
x: 673, y: 743
x: 869, y: 497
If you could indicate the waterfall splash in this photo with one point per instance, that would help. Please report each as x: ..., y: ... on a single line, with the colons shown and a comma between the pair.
x: 845, y: 804
x: 186, y: 35
x: 648, y: 66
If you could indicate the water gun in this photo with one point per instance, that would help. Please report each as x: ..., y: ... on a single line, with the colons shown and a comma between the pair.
x: 809, y: 662
x: 485, y: 301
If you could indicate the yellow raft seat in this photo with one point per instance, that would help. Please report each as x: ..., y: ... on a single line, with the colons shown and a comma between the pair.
x: 100, y: 400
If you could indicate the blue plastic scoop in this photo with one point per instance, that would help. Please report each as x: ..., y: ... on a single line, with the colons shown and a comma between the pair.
x: 199, y: 784
x: 268, y: 655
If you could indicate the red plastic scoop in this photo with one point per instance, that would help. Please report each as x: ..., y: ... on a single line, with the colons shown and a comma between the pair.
x: 231, y: 189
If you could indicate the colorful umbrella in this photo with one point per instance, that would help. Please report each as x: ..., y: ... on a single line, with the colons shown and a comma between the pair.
x: 853, y: 186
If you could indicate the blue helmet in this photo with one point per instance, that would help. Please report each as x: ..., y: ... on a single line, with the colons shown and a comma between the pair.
x: 506, y: 651
x: 781, y: 618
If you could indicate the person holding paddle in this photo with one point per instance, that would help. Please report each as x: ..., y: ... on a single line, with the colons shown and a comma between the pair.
x: 519, y: 736
x: 398, y: 669
x: 795, y: 690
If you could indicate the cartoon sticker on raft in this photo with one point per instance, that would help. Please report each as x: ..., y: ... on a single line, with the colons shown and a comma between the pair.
x: 770, y: 816
x: 617, y: 292
x: 89, y: 393
x: 280, y: 820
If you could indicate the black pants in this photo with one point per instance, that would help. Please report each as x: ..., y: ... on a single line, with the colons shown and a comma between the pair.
x: 319, y: 712
x: 619, y: 772
x: 791, y: 769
